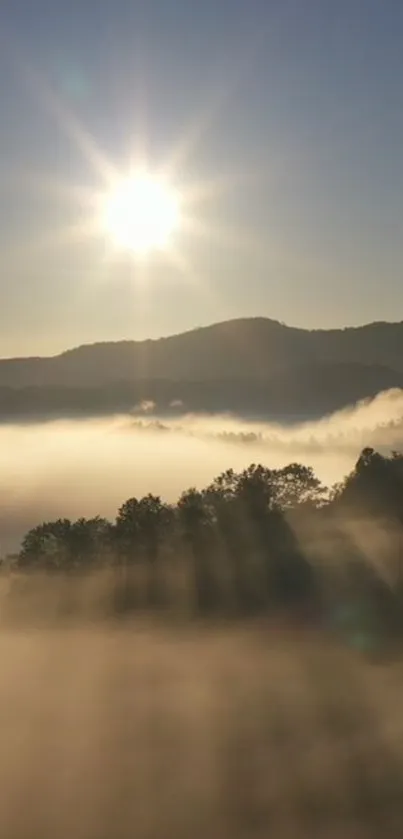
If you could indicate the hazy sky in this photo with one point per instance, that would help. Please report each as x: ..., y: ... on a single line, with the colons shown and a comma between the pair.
x: 295, y: 107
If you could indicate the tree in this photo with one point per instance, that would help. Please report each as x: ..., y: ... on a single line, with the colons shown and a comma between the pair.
x: 47, y: 546
x: 226, y: 514
x: 296, y: 485
x: 243, y: 536
x: 154, y: 520
x: 195, y: 522
x: 375, y: 486
x: 287, y: 576
x: 127, y: 530
x: 90, y: 541
x: 126, y: 536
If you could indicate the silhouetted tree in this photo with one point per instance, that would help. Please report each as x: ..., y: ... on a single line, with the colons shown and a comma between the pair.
x: 248, y: 536
x: 90, y: 541
x: 127, y: 542
x: 374, y: 487
x: 154, y: 520
x: 296, y: 485
x: 287, y: 576
x: 195, y: 522
x: 127, y: 531
x: 226, y: 513
x: 47, y: 546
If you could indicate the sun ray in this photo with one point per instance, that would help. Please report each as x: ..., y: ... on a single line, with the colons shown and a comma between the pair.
x: 54, y: 239
x: 48, y: 185
x: 225, y: 84
x: 64, y: 116
x: 80, y: 136
x: 187, y: 272
x: 220, y: 185
x: 224, y: 235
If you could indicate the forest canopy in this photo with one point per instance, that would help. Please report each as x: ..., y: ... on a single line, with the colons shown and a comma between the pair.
x: 251, y: 542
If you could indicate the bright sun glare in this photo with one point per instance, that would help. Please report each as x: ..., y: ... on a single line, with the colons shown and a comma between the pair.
x: 141, y: 213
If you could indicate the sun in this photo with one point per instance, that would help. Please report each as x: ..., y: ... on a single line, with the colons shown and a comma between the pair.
x: 141, y: 213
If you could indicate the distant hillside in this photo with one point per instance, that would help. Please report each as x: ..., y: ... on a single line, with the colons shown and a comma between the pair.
x: 254, y: 365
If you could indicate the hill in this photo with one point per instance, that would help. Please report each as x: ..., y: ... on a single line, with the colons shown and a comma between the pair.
x: 254, y: 366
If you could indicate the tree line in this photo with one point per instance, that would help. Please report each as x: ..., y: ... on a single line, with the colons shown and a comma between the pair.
x: 252, y: 541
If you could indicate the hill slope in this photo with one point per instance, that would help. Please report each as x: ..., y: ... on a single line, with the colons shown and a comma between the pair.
x: 255, y: 365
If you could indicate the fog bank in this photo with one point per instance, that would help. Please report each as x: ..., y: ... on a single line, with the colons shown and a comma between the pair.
x: 89, y: 467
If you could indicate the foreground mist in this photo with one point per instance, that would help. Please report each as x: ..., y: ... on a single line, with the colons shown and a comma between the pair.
x: 134, y: 730
x: 74, y: 468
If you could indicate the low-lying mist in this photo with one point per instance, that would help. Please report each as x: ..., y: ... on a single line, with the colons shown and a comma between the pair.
x: 127, y: 731
x: 88, y: 467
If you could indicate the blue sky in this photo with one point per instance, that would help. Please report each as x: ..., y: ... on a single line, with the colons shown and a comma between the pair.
x: 296, y: 106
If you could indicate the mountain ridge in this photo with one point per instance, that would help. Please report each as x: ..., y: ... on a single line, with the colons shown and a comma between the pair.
x: 242, y: 365
x: 207, y: 328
